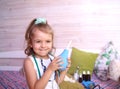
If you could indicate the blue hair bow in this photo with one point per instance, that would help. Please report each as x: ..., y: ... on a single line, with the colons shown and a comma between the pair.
x: 40, y: 20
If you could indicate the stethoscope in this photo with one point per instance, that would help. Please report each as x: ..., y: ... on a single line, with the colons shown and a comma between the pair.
x: 44, y: 67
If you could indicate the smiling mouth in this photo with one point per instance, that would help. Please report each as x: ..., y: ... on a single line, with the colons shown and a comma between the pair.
x: 43, y: 50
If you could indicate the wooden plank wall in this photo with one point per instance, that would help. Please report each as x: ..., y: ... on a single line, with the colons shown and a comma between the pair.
x: 89, y: 23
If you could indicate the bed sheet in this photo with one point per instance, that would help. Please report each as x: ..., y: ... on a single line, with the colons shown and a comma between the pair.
x: 14, y: 80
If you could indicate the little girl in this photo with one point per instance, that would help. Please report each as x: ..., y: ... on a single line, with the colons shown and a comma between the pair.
x: 41, y: 68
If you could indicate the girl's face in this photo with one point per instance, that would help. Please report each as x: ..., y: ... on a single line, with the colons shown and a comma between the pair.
x: 41, y: 43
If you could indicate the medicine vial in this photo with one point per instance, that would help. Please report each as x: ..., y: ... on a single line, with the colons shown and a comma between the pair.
x: 88, y: 76
x: 80, y: 78
x: 84, y: 76
x: 76, y: 75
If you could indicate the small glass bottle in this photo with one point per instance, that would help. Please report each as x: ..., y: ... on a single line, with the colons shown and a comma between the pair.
x: 80, y: 78
x: 88, y: 76
x: 84, y: 76
x: 76, y: 75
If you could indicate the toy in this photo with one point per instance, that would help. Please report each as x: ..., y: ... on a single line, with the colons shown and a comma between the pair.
x: 90, y: 85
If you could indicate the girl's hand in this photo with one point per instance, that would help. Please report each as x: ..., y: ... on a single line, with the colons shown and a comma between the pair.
x: 55, y: 64
x: 63, y: 73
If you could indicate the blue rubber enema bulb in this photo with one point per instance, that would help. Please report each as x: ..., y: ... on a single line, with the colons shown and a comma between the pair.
x: 64, y: 57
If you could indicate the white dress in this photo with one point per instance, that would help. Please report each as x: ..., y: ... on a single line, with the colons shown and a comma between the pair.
x: 52, y: 84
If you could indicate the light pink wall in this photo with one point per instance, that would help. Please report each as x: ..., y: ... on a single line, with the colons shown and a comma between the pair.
x: 89, y: 23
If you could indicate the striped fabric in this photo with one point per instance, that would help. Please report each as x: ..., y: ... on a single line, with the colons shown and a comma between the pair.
x: 110, y: 84
x: 14, y: 80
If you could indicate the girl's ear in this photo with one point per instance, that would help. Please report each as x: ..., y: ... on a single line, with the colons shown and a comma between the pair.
x: 30, y: 45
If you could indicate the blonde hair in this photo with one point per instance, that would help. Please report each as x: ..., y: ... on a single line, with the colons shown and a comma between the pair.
x: 44, y: 27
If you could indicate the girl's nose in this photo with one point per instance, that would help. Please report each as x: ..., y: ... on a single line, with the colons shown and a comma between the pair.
x: 43, y: 44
